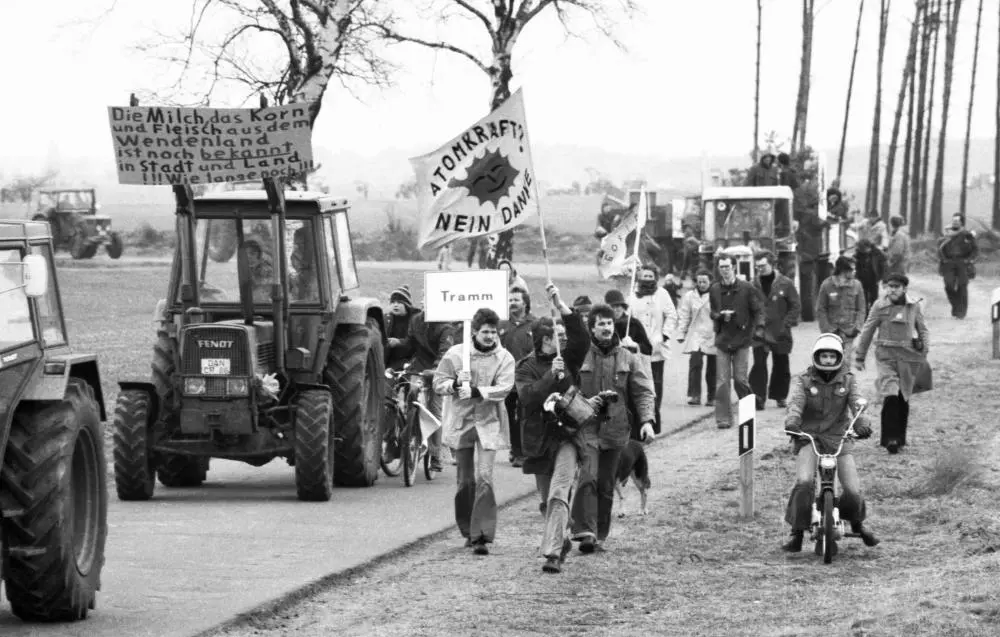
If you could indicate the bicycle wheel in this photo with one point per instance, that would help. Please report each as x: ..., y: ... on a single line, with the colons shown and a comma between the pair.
x: 411, y: 447
x: 428, y: 472
x: 391, y: 459
x: 828, y: 527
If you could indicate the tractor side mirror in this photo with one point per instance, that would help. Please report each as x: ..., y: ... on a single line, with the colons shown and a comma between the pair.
x: 35, y: 276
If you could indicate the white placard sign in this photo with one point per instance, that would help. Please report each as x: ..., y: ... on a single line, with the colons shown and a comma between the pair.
x: 455, y: 296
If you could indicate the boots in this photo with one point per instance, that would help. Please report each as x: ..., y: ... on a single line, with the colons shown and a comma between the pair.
x: 866, y: 536
x: 794, y: 545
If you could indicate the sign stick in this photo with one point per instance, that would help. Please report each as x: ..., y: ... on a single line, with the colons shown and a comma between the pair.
x: 643, y: 200
x: 467, y: 346
x: 747, y: 414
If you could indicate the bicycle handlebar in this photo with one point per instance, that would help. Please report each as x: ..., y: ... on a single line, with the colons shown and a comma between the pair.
x: 847, y: 434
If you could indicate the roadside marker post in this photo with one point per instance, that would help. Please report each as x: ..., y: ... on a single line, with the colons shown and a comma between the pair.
x: 747, y: 432
x: 995, y: 316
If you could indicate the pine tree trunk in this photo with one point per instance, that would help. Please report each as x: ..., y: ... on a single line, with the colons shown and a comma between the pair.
x: 500, y: 76
x: 918, y: 133
x: 890, y: 163
x: 802, y: 102
x: 756, y: 94
x: 850, y: 90
x: 871, y: 192
x: 968, y: 117
x: 950, y: 37
x: 996, y: 148
x: 926, y: 158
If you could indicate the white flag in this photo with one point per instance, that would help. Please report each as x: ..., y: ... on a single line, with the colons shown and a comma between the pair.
x: 615, y: 250
x: 481, y: 182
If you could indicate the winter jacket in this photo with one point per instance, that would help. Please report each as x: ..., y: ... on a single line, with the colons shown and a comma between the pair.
x: 898, y: 254
x: 841, y: 307
x: 957, y: 246
x: 540, y: 438
x: 809, y: 236
x: 399, y: 327
x: 515, y: 336
x: 760, y: 175
x: 870, y: 267
x: 615, y: 368
x: 897, y: 359
x: 781, y: 313
x: 636, y: 332
x: 823, y: 408
x: 748, y: 314
x: 430, y: 342
x: 876, y: 232
x: 658, y: 316
x: 493, y: 377
x: 694, y: 323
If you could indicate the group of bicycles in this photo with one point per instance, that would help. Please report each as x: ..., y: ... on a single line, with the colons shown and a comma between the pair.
x: 404, y: 447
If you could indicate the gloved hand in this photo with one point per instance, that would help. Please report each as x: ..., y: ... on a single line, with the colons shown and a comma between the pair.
x: 758, y: 333
x: 597, y: 402
x: 646, y: 434
x: 794, y: 428
x: 863, y: 430
x: 630, y: 344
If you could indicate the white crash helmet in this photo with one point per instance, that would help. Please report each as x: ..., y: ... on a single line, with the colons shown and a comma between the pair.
x: 828, y: 343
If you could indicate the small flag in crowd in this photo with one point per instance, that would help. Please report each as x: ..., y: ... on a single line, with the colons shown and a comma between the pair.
x: 481, y: 182
x: 617, y: 253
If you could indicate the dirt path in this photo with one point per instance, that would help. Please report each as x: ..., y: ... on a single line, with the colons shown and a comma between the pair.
x: 689, y: 568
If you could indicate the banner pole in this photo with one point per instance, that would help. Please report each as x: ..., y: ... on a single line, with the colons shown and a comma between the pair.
x: 635, y: 253
x: 467, y: 346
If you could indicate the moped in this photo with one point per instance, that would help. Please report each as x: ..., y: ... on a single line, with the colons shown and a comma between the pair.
x: 827, y: 527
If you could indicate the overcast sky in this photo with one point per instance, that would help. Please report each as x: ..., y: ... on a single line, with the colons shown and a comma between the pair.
x: 684, y: 87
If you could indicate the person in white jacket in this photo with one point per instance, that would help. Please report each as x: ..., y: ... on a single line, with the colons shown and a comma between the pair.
x: 696, y: 331
x: 652, y: 306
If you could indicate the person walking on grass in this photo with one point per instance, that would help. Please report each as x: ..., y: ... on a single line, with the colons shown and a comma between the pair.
x: 516, y: 338
x: 653, y: 307
x: 696, y: 331
x: 782, y: 309
x: 738, y: 316
x: 957, y: 252
x: 475, y: 426
x: 840, y: 304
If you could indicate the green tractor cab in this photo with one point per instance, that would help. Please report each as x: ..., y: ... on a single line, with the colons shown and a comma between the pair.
x: 53, y: 474
x: 260, y: 356
x: 76, y: 226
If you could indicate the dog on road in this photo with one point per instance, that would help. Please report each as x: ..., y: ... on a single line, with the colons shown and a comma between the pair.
x: 632, y: 464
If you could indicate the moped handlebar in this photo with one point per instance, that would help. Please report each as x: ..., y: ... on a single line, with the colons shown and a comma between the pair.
x: 849, y: 433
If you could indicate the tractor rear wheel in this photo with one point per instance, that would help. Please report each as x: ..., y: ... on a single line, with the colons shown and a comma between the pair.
x: 355, y: 373
x: 135, y: 476
x: 179, y: 471
x: 54, y: 501
x: 314, y: 456
x: 78, y: 246
x: 114, y: 246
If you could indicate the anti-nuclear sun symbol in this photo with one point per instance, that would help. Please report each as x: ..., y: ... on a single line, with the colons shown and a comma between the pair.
x: 489, y: 178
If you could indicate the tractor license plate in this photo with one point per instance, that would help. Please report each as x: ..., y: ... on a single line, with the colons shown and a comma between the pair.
x: 215, y: 366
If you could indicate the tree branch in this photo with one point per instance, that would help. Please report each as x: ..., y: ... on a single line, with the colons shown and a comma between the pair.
x: 444, y: 46
x: 479, y: 14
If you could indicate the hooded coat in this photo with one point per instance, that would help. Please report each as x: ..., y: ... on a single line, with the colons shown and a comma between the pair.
x: 782, y: 309
x: 694, y: 323
x: 493, y: 375
x: 899, y: 362
x: 761, y: 175
x: 898, y: 254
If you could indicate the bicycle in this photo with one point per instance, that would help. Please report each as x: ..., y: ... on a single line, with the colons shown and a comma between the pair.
x: 827, y: 527
x: 403, y: 446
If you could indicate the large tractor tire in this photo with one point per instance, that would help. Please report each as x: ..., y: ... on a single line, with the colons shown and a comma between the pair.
x: 115, y: 247
x: 314, y: 454
x: 54, y: 498
x: 173, y: 470
x: 177, y: 471
x: 135, y: 475
x: 78, y: 247
x: 355, y: 373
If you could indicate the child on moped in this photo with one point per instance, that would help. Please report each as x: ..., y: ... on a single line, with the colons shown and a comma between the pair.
x: 820, y: 403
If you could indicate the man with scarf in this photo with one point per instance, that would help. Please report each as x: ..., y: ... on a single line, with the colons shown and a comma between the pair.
x: 551, y: 452
x: 781, y: 309
x: 840, y: 306
x: 397, y: 328
x: 607, y: 366
x: 516, y: 338
x: 869, y: 264
x: 654, y: 309
x: 957, y: 251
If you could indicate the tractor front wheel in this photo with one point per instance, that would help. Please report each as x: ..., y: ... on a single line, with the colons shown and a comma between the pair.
x: 135, y: 475
x: 54, y: 503
x: 314, y: 456
x: 355, y: 373
x: 115, y: 246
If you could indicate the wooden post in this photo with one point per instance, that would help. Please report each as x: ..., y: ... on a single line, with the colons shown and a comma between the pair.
x: 467, y: 346
x: 747, y: 413
x: 995, y: 316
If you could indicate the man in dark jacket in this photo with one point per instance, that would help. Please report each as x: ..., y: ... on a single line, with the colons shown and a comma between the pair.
x: 781, y: 311
x: 397, y: 328
x: 738, y: 318
x: 869, y: 264
x: 786, y: 174
x: 809, y: 245
x: 550, y: 451
x: 835, y: 205
x: 840, y: 304
x: 607, y: 367
x: 516, y: 338
x: 763, y: 173
x: 958, y: 251
x: 430, y: 342
x: 629, y: 329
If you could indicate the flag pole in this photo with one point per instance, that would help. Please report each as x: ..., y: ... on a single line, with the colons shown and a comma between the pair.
x: 644, y: 200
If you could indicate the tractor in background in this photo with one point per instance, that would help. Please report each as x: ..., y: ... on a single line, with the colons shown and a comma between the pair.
x: 53, y: 474
x: 76, y: 226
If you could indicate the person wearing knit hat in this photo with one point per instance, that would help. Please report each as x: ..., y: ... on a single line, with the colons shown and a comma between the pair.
x: 402, y: 296
x: 630, y: 330
x: 582, y: 305
x: 397, y: 328
x: 840, y: 304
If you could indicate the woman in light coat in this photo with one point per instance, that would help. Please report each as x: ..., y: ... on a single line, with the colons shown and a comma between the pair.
x: 474, y: 419
x: 696, y: 330
x: 652, y: 306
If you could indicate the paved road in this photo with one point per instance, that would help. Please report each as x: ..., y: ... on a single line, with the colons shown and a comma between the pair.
x: 192, y: 558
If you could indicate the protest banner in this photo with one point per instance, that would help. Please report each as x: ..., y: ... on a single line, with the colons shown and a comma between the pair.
x: 157, y: 145
x: 615, y: 254
x: 481, y: 182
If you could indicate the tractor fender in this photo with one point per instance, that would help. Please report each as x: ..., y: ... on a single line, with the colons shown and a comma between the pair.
x: 143, y: 386
x: 358, y: 311
x: 51, y: 385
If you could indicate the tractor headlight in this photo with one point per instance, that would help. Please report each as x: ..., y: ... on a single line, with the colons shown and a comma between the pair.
x: 236, y: 387
x: 194, y: 385
x: 827, y: 463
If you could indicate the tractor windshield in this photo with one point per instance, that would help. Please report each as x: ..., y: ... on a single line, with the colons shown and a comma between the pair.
x: 76, y: 200
x: 218, y: 275
x: 15, y: 315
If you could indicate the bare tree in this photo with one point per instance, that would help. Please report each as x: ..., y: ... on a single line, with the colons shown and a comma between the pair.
x: 802, y: 101
x: 871, y: 191
x: 285, y: 50
x: 968, y: 117
x: 904, y: 186
x: 916, y: 218
x: 907, y: 81
x: 850, y: 91
x: 20, y: 189
x: 996, y: 148
x: 931, y: 95
x: 954, y: 8
x: 504, y: 22
x: 756, y: 94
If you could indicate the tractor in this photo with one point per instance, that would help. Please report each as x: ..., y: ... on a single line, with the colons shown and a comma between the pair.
x: 53, y: 474
x: 76, y: 226
x: 673, y: 224
x: 259, y: 357
x: 740, y: 221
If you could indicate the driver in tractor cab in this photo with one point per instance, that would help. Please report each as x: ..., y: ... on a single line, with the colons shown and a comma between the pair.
x: 261, y: 271
x: 818, y: 405
x: 303, y: 261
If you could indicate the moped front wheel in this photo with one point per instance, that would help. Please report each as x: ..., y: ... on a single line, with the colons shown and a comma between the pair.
x: 828, y: 528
